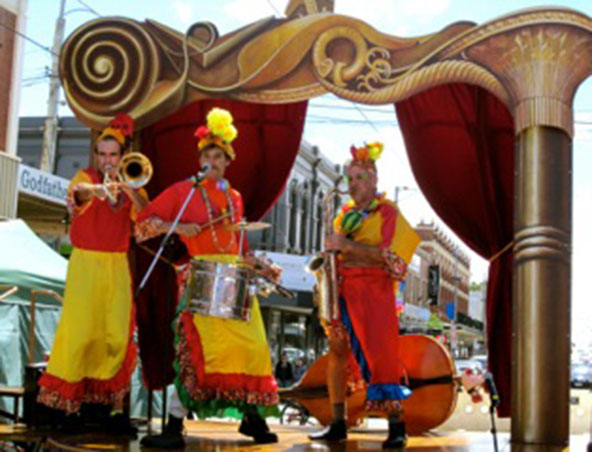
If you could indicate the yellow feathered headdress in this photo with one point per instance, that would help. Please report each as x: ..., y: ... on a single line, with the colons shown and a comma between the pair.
x: 219, y: 131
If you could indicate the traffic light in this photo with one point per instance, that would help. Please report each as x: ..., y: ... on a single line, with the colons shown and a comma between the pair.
x: 433, y: 284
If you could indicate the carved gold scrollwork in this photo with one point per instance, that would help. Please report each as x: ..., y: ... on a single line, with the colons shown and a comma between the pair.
x: 339, y: 71
x: 380, y: 70
x: 108, y: 67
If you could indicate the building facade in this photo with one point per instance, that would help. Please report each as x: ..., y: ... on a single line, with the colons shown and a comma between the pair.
x: 12, y: 18
x: 450, y: 300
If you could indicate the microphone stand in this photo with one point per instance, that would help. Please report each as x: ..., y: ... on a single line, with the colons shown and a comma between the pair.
x: 200, y: 176
x: 493, y: 430
x: 169, y: 233
x: 493, y: 403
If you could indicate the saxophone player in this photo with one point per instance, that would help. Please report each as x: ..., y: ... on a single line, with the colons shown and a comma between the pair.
x: 374, y: 244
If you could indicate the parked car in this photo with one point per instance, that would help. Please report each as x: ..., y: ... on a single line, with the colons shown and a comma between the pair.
x: 463, y: 364
x: 481, y: 359
x: 294, y: 353
x: 581, y: 376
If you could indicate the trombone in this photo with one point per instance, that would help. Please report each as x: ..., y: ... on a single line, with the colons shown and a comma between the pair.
x: 134, y: 170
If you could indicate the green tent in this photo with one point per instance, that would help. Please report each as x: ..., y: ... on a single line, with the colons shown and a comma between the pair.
x: 27, y: 262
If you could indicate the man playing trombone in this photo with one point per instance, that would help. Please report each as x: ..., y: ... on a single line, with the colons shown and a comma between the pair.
x: 93, y: 355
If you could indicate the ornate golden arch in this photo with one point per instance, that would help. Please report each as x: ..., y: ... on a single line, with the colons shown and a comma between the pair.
x: 533, y: 61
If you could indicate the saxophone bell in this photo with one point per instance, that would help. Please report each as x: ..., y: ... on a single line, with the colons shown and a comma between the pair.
x: 317, y: 261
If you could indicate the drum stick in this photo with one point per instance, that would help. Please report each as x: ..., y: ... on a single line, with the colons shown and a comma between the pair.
x: 215, y: 220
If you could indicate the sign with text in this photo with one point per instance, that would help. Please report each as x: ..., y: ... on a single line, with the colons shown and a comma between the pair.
x: 42, y: 185
x: 294, y: 273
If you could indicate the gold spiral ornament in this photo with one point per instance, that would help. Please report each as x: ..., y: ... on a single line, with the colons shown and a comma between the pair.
x: 108, y: 66
x: 339, y: 71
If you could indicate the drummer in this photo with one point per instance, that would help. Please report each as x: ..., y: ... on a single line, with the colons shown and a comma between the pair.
x: 223, y: 366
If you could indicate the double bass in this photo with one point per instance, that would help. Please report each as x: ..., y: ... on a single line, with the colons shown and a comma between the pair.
x: 428, y: 370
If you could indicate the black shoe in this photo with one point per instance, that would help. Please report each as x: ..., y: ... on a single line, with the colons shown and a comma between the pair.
x: 119, y: 424
x: 255, y: 426
x: 337, y: 431
x: 171, y: 438
x: 397, y: 439
x: 72, y: 424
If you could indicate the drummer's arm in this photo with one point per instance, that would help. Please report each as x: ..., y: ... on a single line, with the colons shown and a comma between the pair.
x: 154, y: 226
x: 157, y: 226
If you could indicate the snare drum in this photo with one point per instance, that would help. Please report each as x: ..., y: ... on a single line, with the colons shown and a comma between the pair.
x: 220, y: 290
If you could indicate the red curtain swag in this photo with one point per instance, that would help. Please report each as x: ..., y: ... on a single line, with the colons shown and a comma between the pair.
x: 460, y: 142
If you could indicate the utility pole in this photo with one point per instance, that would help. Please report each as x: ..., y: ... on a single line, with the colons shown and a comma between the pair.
x: 50, y: 129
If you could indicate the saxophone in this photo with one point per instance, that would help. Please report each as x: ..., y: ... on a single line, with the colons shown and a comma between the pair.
x: 324, y: 267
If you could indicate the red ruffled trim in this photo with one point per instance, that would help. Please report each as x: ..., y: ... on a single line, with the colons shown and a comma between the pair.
x: 204, y: 386
x: 62, y: 395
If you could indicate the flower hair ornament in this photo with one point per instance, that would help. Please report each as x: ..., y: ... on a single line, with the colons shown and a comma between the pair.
x: 120, y: 128
x: 219, y: 131
x: 367, y: 155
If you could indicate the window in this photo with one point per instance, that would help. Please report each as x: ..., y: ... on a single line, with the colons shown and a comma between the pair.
x: 319, y: 223
x: 293, y: 222
x: 304, y: 214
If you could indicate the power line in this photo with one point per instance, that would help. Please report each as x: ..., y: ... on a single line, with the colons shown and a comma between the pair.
x: 366, y: 118
x: 83, y: 3
x: 344, y: 107
x: 273, y: 6
x: 335, y: 120
x: 31, y: 40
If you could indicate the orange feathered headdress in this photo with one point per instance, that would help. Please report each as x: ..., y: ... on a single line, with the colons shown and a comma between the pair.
x: 219, y: 131
x: 120, y: 128
x: 367, y: 155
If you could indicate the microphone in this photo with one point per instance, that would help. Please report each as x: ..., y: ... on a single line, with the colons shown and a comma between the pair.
x: 492, y: 389
x: 201, y: 175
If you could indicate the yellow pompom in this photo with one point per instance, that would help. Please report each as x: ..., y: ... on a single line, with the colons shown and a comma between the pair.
x: 217, y: 129
x: 375, y: 150
x: 219, y: 116
x: 229, y: 134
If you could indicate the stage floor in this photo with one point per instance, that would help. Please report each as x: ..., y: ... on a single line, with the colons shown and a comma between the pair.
x: 222, y: 436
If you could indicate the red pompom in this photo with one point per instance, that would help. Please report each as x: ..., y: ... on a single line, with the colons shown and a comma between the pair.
x: 202, y: 132
x: 123, y: 122
x: 353, y: 150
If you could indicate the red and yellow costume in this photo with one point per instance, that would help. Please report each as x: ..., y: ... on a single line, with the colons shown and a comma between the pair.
x: 367, y: 298
x: 222, y: 365
x: 93, y: 355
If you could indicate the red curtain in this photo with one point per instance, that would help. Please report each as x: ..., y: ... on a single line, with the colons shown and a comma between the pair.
x: 266, y: 147
x: 460, y: 142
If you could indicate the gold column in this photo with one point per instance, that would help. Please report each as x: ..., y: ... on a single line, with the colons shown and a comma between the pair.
x: 540, y: 65
x: 542, y: 278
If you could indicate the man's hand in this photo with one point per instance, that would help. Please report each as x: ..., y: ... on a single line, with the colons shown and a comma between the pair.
x: 85, y: 191
x: 337, y: 242
x: 111, y: 190
x: 264, y: 267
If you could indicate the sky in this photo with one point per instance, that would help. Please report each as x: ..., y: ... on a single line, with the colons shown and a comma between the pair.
x: 324, y: 126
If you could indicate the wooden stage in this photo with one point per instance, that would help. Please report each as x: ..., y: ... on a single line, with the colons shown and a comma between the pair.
x: 222, y: 436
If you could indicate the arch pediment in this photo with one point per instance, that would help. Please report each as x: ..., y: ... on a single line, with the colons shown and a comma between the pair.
x: 146, y: 68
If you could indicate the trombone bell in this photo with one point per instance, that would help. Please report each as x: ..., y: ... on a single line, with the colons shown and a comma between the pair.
x: 135, y: 169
